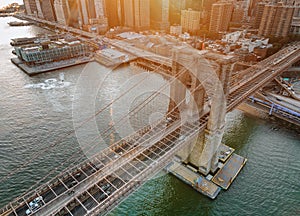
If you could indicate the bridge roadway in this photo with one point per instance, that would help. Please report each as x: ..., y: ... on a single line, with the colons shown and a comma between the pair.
x: 289, y: 90
x: 130, y: 48
x: 56, y: 25
x: 97, y: 185
x: 85, y: 36
x: 278, y: 113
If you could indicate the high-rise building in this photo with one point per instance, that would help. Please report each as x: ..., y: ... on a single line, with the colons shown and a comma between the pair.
x: 74, y: 13
x: 175, y: 8
x: 205, y: 9
x: 295, y: 26
x: 276, y: 20
x: 89, y: 15
x: 129, y: 13
x: 27, y: 7
x: 32, y: 6
x: 137, y: 14
x: 190, y: 21
x: 87, y: 10
x: 258, y: 13
x: 195, y: 5
x: 91, y: 9
x: 98, y: 15
x: 39, y: 9
x: 159, y: 10
x: 142, y: 14
x: 239, y: 13
x: 84, y: 15
x: 114, y: 12
x: 100, y: 8
x: 47, y: 7
x: 220, y: 16
x: 252, y: 6
x: 61, y: 8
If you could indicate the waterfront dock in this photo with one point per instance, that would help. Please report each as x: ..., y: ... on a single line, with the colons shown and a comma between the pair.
x: 46, y: 55
x: 197, y: 181
x: 226, y: 175
x: 37, y: 69
x: 282, y: 108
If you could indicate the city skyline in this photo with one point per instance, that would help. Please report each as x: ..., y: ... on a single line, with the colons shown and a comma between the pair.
x: 194, y: 17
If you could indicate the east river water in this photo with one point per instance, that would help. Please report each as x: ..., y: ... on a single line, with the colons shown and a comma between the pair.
x: 37, y: 113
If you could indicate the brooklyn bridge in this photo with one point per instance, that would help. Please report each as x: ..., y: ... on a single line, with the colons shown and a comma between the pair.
x: 192, y: 131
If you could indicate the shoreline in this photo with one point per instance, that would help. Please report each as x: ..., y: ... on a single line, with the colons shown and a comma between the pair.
x: 253, y: 111
x: 31, y: 71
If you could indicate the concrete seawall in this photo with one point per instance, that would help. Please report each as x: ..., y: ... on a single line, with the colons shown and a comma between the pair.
x: 245, y: 107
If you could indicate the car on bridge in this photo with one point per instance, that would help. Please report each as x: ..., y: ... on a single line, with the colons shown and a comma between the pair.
x: 34, y: 205
x: 182, y: 137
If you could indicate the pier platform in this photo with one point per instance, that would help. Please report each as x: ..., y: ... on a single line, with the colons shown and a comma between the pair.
x: 197, y: 181
x: 37, y: 69
x: 229, y: 171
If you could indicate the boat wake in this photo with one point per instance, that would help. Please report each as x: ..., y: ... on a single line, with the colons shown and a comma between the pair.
x: 49, y: 84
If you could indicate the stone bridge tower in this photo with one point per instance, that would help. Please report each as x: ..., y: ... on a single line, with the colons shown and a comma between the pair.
x: 207, y: 76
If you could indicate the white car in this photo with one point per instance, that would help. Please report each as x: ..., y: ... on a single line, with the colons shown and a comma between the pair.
x: 34, y: 205
x: 169, y: 119
x: 182, y: 137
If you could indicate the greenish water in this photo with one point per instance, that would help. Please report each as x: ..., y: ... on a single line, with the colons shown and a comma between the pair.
x: 33, y: 119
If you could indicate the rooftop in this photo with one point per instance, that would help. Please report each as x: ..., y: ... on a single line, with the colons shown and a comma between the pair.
x: 111, y: 53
